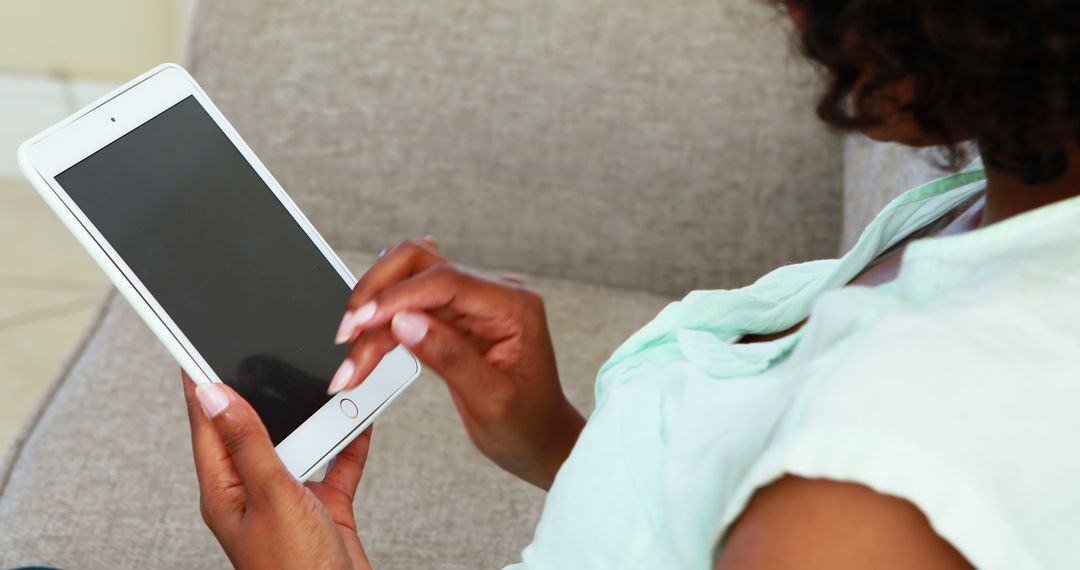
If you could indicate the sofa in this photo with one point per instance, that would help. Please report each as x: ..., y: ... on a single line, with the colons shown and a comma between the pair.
x: 615, y: 154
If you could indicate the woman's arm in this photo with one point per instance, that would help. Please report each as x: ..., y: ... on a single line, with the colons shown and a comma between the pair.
x: 817, y: 523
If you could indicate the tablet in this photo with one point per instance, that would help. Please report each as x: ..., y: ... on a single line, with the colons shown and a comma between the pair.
x: 213, y: 254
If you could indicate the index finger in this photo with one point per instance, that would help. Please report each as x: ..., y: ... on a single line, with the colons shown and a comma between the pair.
x: 440, y: 287
x: 400, y: 263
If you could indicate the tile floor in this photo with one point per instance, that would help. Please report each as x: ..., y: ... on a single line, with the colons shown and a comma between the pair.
x: 48, y: 290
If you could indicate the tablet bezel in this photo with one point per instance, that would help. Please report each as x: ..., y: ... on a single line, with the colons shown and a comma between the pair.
x: 49, y: 154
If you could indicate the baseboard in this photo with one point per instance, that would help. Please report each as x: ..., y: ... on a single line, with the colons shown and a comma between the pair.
x: 30, y: 103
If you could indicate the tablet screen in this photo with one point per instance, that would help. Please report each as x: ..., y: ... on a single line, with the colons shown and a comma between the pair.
x: 226, y: 260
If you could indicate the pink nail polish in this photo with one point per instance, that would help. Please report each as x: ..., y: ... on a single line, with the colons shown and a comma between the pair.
x: 364, y: 314
x: 409, y: 328
x: 344, y: 332
x: 212, y: 398
x: 341, y: 377
x: 354, y: 320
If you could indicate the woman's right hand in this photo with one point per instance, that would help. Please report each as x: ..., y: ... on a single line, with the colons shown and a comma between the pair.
x: 488, y: 339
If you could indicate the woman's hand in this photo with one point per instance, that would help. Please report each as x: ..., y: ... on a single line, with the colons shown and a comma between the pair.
x: 487, y: 339
x: 261, y: 515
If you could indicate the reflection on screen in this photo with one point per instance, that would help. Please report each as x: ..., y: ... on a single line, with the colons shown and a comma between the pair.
x: 219, y: 252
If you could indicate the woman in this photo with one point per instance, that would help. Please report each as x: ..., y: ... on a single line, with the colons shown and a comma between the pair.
x: 906, y: 406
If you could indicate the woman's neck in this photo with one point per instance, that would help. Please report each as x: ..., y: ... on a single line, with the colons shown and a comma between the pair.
x: 1007, y: 196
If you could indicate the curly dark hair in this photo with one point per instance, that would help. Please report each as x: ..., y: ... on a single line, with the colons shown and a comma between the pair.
x: 1005, y: 73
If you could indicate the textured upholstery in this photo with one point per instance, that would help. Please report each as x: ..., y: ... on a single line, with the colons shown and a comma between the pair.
x: 105, y: 478
x: 644, y: 144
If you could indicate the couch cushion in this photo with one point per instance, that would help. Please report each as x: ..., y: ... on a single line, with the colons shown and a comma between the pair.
x: 105, y: 478
x: 662, y: 146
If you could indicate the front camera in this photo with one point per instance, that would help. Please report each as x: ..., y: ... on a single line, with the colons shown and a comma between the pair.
x: 113, y: 119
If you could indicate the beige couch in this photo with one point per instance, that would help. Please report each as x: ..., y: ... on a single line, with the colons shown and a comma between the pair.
x: 618, y: 153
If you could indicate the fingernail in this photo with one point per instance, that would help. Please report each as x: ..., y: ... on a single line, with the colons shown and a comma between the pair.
x: 344, y: 329
x: 354, y: 319
x: 212, y: 398
x: 409, y: 328
x: 341, y: 377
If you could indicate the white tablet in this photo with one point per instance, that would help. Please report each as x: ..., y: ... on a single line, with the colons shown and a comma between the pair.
x: 214, y: 256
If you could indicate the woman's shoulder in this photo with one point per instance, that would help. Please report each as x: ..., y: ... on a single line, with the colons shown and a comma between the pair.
x: 961, y: 375
x: 992, y: 363
x: 963, y: 404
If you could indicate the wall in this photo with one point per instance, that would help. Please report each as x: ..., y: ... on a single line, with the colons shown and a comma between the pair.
x: 95, y: 40
x: 59, y: 55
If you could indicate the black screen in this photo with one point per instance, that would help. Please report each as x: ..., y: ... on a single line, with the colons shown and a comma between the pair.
x: 223, y: 256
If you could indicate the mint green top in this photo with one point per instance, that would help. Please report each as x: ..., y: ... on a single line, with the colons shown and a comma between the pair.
x: 956, y: 386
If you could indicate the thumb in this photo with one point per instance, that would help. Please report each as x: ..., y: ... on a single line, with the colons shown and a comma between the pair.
x: 443, y: 350
x: 244, y: 437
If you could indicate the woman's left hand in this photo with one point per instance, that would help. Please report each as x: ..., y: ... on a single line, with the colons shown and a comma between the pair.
x: 261, y: 515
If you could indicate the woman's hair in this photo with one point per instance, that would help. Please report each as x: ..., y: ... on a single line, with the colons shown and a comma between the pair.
x: 1003, y: 72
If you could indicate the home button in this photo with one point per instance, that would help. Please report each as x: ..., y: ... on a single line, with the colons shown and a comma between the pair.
x: 349, y: 408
